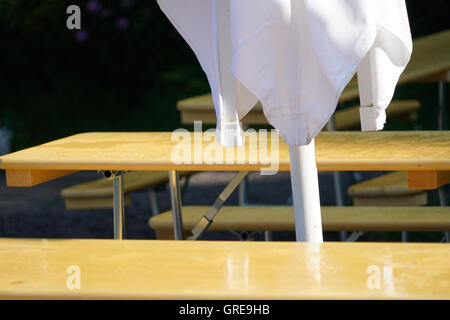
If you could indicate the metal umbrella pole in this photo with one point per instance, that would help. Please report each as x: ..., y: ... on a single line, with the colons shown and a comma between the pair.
x: 305, y: 193
x: 230, y: 129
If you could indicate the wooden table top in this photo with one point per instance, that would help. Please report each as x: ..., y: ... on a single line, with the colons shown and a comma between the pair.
x: 155, y: 269
x: 151, y: 151
x: 430, y: 61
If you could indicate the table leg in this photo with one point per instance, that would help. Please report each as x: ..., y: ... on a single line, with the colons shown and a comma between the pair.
x: 242, y: 199
x: 175, y: 197
x: 443, y: 203
x: 337, y: 181
x: 153, y: 197
x: 119, y: 207
x: 267, y: 235
x: 404, y: 236
x: 305, y: 193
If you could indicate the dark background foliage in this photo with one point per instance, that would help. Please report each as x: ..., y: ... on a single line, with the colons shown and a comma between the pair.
x: 124, y: 71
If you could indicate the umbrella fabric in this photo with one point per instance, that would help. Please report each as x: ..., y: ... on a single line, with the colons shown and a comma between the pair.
x: 296, y: 56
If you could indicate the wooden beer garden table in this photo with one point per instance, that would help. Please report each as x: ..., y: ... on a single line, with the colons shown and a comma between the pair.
x: 425, y: 155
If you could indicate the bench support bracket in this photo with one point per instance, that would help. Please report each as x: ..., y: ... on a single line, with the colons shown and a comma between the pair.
x: 207, y: 219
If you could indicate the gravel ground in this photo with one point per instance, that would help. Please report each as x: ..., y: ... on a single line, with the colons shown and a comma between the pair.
x: 39, y: 212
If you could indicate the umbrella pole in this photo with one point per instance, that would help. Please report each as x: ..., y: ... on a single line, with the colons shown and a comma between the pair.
x: 229, y: 129
x: 305, y: 193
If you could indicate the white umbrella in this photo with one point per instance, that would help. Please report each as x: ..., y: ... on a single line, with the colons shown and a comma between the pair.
x: 296, y: 58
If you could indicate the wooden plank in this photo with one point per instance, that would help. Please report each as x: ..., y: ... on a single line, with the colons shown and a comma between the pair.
x: 29, y: 178
x: 349, y: 118
x: 151, y: 151
x: 427, y: 179
x: 418, y: 199
x: 148, y: 269
x: 388, y: 185
x: 281, y: 218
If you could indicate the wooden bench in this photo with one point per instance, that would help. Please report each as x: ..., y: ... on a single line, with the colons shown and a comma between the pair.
x: 281, y: 218
x: 201, y: 108
x: 98, y: 194
x: 188, y: 270
x: 387, y: 190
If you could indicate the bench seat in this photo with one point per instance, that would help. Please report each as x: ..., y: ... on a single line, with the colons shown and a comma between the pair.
x: 202, y: 108
x: 400, y: 110
x: 387, y: 190
x: 281, y: 218
x: 188, y: 270
x: 98, y: 194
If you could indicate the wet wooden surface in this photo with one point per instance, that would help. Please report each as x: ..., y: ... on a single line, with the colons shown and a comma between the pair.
x: 152, y: 151
x: 153, y: 269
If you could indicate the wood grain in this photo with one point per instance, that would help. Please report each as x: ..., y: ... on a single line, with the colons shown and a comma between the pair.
x: 153, y: 151
x: 281, y: 218
x: 151, y: 269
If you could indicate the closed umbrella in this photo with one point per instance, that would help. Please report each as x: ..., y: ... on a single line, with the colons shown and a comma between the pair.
x: 296, y: 57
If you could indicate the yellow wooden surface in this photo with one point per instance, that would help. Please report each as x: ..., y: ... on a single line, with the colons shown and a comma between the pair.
x: 153, y: 151
x: 149, y: 269
x: 281, y: 218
